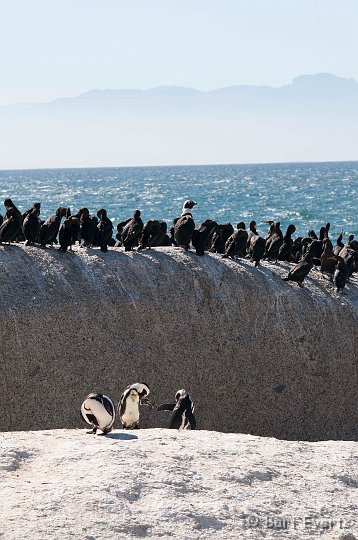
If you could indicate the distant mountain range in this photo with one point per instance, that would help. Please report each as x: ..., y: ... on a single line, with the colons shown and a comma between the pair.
x: 313, y: 118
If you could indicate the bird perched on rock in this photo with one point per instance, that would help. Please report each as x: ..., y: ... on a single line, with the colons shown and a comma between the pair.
x: 236, y: 245
x: 128, y: 407
x: 341, y: 274
x: 183, y: 411
x: 98, y: 411
x: 153, y: 234
x: 202, y: 235
x: 10, y: 226
x: 301, y: 270
x: 49, y: 229
x: 220, y: 236
x: 132, y: 231
x: 104, y: 228
x: 285, y: 251
x: 69, y: 233
x: 274, y: 242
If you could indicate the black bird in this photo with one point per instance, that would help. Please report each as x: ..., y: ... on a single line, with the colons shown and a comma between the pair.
x: 11, y: 226
x: 328, y: 259
x: 9, y: 204
x: 104, y: 228
x: 69, y: 233
x: 220, y: 236
x: 183, y: 230
x: 236, y: 245
x: 49, y: 229
x: 339, y: 244
x: 183, y: 411
x: 153, y: 234
x: 341, y: 274
x: 202, y: 236
x: 256, y: 248
x: 301, y: 270
x: 285, y: 251
x: 132, y: 231
x: 87, y: 227
x: 274, y: 242
x: 31, y: 226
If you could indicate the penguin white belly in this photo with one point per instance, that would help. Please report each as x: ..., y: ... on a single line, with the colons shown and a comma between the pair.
x: 97, y: 409
x: 131, y: 412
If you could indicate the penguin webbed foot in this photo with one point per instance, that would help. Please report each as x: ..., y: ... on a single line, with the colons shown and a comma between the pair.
x: 92, y: 432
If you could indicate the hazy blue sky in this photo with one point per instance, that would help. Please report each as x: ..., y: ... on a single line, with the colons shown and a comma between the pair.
x: 51, y: 48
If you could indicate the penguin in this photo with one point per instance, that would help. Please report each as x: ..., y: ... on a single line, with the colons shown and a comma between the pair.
x: 10, y: 226
x: 183, y: 411
x: 104, y: 228
x: 132, y: 231
x: 98, y: 411
x: 301, y: 270
x: 236, y: 245
x: 202, y: 235
x: 187, y: 207
x: 153, y: 234
x: 128, y: 407
x: 49, y: 229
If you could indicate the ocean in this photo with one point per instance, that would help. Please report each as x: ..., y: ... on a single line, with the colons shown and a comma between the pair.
x: 306, y: 194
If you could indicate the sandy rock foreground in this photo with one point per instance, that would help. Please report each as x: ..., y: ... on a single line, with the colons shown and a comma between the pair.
x: 159, y: 483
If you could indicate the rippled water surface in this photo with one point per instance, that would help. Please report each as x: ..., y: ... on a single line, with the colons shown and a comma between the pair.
x: 307, y: 195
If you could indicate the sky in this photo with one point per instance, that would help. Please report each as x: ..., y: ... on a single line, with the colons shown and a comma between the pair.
x: 51, y: 48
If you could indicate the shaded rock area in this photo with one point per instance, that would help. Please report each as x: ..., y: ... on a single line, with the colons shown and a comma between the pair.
x: 257, y: 354
x: 159, y: 483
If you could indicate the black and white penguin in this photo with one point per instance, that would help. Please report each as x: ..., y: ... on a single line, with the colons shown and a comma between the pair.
x: 98, y: 411
x: 187, y: 207
x: 128, y: 407
x: 183, y: 411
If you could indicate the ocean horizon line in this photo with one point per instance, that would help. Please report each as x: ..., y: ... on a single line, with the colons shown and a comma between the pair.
x: 178, y: 165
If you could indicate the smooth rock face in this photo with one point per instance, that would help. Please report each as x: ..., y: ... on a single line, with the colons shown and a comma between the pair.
x: 258, y: 355
x: 193, y: 485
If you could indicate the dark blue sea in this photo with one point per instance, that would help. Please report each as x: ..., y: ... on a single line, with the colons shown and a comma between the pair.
x: 306, y: 194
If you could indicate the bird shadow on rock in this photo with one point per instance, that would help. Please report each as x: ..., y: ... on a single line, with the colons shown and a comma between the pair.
x: 121, y: 436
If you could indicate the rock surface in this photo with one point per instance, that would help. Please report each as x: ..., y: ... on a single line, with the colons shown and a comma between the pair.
x: 167, y: 484
x: 257, y: 354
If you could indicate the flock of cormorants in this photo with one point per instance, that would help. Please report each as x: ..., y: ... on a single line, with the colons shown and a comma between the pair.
x: 339, y: 260
x: 98, y: 410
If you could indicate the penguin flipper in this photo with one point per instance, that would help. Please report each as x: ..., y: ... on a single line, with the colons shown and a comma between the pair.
x: 191, y: 419
x: 166, y: 407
